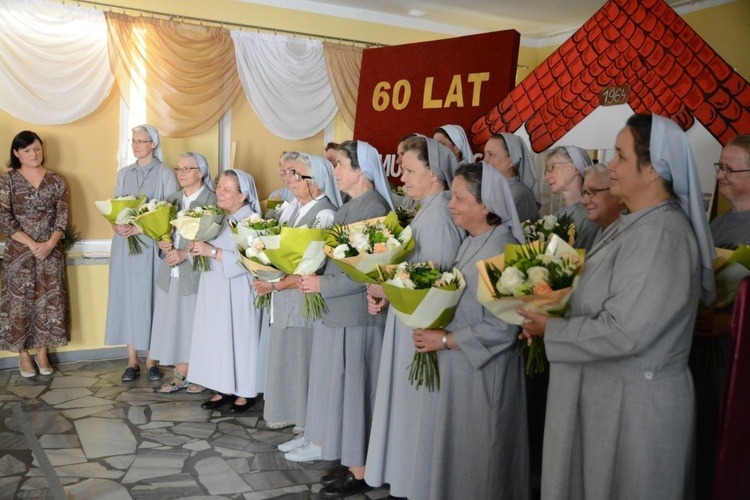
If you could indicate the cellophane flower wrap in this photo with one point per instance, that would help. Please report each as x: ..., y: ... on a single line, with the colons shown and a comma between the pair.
x: 730, y: 267
x: 299, y: 250
x: 153, y: 219
x: 122, y: 210
x: 361, y: 247
x: 423, y: 297
x: 539, y: 277
x: 543, y: 229
x: 250, y: 252
x: 200, y: 224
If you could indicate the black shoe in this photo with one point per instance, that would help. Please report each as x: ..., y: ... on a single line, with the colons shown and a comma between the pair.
x: 235, y: 408
x: 130, y: 374
x: 333, y: 475
x: 224, y: 400
x: 154, y: 373
x: 345, y: 486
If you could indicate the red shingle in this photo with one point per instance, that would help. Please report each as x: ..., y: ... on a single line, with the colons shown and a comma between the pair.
x: 694, y: 97
x: 707, y: 82
x: 618, y: 44
x: 721, y: 69
x: 638, y: 38
x: 720, y: 99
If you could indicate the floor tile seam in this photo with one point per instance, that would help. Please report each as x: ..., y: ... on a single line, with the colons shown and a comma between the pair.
x: 53, y: 481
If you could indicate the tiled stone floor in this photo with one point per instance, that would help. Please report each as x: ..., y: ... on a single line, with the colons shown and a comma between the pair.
x: 84, y: 434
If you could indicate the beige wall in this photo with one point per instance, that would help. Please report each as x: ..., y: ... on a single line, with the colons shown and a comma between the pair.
x: 85, y: 152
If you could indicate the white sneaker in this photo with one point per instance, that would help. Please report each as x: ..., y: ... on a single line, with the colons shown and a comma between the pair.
x: 292, y: 444
x: 305, y: 453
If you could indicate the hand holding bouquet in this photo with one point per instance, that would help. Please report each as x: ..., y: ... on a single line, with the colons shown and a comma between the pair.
x: 200, y: 224
x: 538, y: 277
x: 423, y: 297
x: 295, y: 250
x: 250, y: 252
x: 121, y: 210
x: 543, y: 229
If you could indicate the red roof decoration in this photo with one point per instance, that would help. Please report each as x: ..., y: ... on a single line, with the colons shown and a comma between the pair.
x: 644, y: 43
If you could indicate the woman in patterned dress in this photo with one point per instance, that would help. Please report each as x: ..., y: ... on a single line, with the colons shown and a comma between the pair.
x: 34, y: 309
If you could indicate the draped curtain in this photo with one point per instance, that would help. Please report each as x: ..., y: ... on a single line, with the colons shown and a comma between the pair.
x: 54, y: 67
x: 343, y: 63
x: 286, y: 82
x: 186, y: 73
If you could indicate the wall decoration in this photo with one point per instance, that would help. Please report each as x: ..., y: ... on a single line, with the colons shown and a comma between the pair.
x: 645, y: 44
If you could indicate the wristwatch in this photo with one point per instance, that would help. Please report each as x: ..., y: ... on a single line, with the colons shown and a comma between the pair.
x: 214, y: 251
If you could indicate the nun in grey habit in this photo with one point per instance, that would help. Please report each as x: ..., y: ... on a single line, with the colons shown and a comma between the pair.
x: 393, y: 438
x: 177, y: 285
x: 223, y: 354
x: 568, y: 181
x: 523, y: 182
x: 291, y: 335
x: 132, y: 277
x: 620, y: 410
x: 347, y: 341
x: 472, y: 437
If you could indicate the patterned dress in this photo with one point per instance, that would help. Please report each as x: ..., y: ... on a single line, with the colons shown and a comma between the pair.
x: 34, y: 308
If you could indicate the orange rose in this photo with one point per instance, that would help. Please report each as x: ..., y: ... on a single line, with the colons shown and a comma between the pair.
x: 542, y: 288
x: 379, y: 248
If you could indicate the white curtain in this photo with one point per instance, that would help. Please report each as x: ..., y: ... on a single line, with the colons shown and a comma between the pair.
x: 286, y: 82
x: 54, y: 65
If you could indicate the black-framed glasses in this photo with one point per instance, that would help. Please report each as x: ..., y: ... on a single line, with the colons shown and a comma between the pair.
x: 551, y: 167
x: 591, y: 193
x: 139, y: 142
x: 185, y: 170
x: 718, y: 166
x: 297, y: 176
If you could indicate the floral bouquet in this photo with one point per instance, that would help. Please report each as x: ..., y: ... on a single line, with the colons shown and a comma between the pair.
x: 730, y: 267
x: 423, y: 297
x: 538, y: 277
x: 121, y: 211
x: 361, y: 247
x: 405, y: 215
x: 250, y: 254
x: 249, y: 228
x: 295, y: 250
x: 542, y: 229
x: 200, y: 224
x: 153, y: 219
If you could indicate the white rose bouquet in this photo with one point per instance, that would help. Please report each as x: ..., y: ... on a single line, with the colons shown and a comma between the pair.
x: 543, y: 229
x: 200, y: 224
x: 250, y: 252
x: 295, y: 250
x: 121, y: 210
x: 423, y: 297
x: 538, y: 277
x: 361, y: 247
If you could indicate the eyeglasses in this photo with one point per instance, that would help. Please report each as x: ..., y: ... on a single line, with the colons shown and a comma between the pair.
x: 551, y: 167
x: 184, y: 170
x: 138, y: 142
x: 297, y: 176
x: 591, y: 193
x: 726, y: 170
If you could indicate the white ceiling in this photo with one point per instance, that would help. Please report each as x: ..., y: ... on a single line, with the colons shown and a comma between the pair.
x: 540, y: 22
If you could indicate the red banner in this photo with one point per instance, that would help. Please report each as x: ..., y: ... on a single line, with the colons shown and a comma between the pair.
x: 418, y: 87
